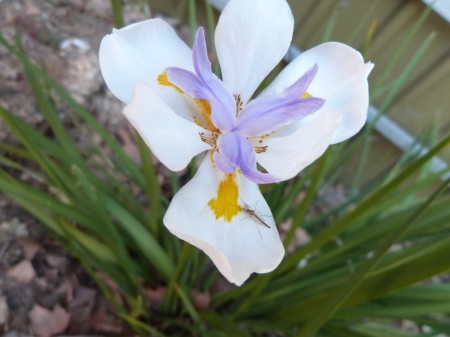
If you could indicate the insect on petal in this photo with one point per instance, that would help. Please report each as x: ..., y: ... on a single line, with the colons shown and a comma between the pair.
x: 209, y: 212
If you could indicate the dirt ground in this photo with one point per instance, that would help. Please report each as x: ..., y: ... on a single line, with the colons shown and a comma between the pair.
x: 43, y: 290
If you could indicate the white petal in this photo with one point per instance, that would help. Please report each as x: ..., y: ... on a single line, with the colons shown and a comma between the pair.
x: 251, y: 38
x: 286, y: 156
x: 172, y: 139
x: 141, y: 52
x: 341, y: 81
x: 237, y: 247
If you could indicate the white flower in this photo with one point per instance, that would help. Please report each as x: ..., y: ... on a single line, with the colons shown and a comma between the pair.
x: 181, y: 109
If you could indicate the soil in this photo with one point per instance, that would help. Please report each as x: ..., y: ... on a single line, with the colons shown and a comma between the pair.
x: 44, y: 291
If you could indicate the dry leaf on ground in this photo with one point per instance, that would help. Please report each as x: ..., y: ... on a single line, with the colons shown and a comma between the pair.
x: 30, y: 246
x: 103, y: 321
x: 46, y: 323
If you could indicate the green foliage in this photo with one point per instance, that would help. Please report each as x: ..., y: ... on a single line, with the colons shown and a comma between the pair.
x: 347, y: 281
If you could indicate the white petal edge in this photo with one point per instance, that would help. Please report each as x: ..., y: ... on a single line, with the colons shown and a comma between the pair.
x: 341, y: 81
x: 172, y: 139
x: 251, y: 38
x: 287, y: 156
x: 141, y: 52
x: 238, y: 248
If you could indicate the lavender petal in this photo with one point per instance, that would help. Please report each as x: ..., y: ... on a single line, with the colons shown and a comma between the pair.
x: 267, y: 113
x: 240, y: 151
x: 223, y: 163
x: 205, y: 85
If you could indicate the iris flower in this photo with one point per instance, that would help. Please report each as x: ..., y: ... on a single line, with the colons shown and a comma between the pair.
x: 181, y: 109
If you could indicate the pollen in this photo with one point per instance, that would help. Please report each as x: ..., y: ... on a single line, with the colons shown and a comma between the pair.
x: 196, y: 121
x: 226, y: 204
x: 205, y: 108
x: 239, y: 104
x: 164, y: 80
x: 260, y: 149
x: 306, y: 95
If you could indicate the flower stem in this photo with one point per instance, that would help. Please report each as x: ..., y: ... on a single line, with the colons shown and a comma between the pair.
x: 192, y: 19
x: 212, y: 28
x: 117, y: 13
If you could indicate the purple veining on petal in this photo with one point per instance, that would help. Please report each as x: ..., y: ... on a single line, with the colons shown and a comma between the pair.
x: 235, y: 149
x: 267, y: 113
x: 205, y: 85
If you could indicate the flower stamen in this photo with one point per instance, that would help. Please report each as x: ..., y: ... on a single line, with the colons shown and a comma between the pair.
x: 260, y: 149
x: 210, y: 141
x: 239, y: 104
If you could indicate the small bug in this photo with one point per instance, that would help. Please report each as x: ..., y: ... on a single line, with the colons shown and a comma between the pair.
x: 253, y: 213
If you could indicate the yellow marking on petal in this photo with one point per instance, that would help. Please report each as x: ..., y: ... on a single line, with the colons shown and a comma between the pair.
x: 196, y: 121
x: 164, y: 80
x: 306, y: 95
x: 226, y: 204
x: 205, y: 108
x: 211, y: 156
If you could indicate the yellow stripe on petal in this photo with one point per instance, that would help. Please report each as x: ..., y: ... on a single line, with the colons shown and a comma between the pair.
x: 306, y: 95
x: 164, y: 80
x: 226, y: 204
x: 205, y: 108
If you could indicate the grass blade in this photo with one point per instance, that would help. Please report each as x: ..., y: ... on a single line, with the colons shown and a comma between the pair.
x: 324, y: 313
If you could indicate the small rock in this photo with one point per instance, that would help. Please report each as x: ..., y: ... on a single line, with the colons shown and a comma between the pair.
x: 31, y: 8
x: 22, y: 272
x: 155, y: 297
x: 82, y: 76
x: 99, y: 7
x: 74, y: 42
x: 56, y: 260
x: 201, y: 299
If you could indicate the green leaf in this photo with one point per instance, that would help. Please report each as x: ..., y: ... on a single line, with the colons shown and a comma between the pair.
x: 151, y: 185
x: 336, y: 301
x: 361, y: 209
x: 223, y: 324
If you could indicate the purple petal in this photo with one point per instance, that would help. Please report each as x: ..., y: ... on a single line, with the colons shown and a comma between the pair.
x: 229, y: 146
x: 297, y: 89
x: 259, y: 177
x: 238, y: 150
x: 223, y: 163
x: 267, y: 113
x: 205, y: 85
x: 202, y: 65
